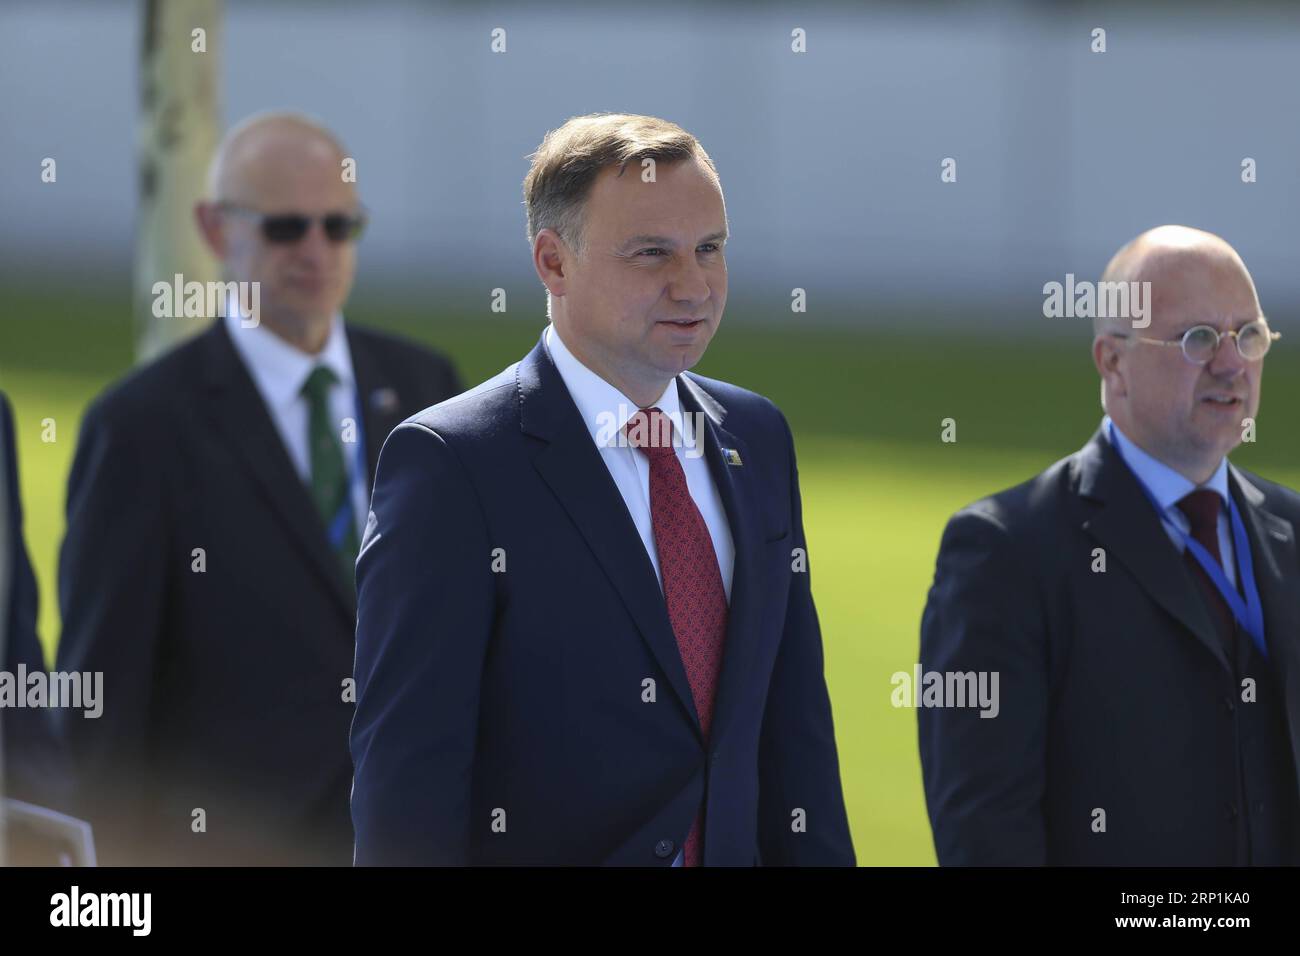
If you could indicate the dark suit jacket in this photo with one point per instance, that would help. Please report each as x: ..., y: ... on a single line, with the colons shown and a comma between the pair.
x: 224, y: 689
x: 1116, y: 692
x: 33, y: 770
x: 500, y: 716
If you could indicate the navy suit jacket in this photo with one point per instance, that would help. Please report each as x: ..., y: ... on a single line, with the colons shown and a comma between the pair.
x: 33, y: 765
x: 1116, y: 692
x: 507, y: 716
x: 224, y: 688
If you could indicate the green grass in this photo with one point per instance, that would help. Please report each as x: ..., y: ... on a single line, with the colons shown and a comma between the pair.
x: 878, y: 484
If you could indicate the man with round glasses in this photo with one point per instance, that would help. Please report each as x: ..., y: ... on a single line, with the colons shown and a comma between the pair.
x: 1140, y: 601
x: 215, y: 509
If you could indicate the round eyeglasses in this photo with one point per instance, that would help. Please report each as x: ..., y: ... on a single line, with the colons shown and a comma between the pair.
x: 1201, y: 342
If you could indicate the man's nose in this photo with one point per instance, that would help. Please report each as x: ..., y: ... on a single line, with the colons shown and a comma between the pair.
x: 689, y: 282
x: 1227, y: 361
x: 315, y: 245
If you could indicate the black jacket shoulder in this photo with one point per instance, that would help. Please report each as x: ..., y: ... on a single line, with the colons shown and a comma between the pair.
x: 1278, y: 499
x: 1030, y: 503
x: 404, y: 358
x: 148, y: 395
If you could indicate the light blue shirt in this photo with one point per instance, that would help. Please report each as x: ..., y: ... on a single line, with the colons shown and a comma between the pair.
x: 1168, y: 487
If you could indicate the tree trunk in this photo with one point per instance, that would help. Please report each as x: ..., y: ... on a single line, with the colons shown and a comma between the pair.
x: 179, y: 130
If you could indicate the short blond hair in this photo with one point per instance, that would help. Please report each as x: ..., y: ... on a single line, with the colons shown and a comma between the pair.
x: 565, y: 165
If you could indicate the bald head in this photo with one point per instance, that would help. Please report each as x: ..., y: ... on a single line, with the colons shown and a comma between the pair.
x: 1177, y: 261
x: 266, y: 142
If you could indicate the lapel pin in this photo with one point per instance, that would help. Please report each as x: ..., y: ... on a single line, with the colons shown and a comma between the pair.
x: 732, y: 457
x: 384, y: 400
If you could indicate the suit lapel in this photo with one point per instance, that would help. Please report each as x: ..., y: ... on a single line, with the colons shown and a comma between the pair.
x: 1273, y: 547
x: 238, y: 415
x: 570, y: 464
x: 381, y: 403
x: 1128, y: 527
x: 735, y: 488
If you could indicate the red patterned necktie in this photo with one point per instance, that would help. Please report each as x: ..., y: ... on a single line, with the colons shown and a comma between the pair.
x: 1202, y: 510
x: 692, y: 581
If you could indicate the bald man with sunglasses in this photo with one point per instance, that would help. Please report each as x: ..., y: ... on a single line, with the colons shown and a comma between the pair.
x: 215, y: 507
x: 1140, y: 602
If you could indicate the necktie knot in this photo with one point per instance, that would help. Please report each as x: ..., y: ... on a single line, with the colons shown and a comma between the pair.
x: 1202, y: 510
x: 318, y: 383
x: 650, y: 431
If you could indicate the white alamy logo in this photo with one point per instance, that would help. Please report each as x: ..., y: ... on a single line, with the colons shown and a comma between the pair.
x: 102, y: 909
x: 206, y: 300
x: 1098, y: 300
x: 947, y: 689
x: 82, y: 690
x: 641, y: 434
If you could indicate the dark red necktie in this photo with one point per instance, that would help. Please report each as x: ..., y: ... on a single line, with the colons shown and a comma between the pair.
x: 1202, y: 510
x: 692, y: 581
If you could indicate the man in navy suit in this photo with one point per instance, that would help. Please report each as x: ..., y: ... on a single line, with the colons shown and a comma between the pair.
x: 585, y: 628
x: 1140, y: 601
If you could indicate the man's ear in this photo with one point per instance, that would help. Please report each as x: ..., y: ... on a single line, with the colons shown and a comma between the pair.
x: 1106, y: 353
x: 551, y: 257
x: 207, y: 216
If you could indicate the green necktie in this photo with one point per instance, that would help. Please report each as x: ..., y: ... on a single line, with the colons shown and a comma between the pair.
x: 329, y: 474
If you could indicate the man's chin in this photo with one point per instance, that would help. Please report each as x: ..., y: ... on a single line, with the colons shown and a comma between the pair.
x: 682, y: 362
x: 1213, y: 447
x: 308, y: 312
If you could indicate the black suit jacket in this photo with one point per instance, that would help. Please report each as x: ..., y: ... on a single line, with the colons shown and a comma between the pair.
x: 1116, y: 693
x: 32, y: 766
x: 224, y: 735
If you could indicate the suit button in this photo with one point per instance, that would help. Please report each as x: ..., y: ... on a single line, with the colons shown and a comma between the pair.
x: 1259, y: 808
x: 1232, y: 811
x: 1228, y: 705
x: 664, y: 849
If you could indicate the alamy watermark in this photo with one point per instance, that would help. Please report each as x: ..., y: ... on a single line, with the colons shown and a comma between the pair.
x: 641, y: 433
x: 57, y: 689
x: 129, y: 910
x: 205, y: 300
x: 946, y: 689
x: 1098, y: 300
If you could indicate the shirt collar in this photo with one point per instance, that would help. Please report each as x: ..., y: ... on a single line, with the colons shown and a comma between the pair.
x: 605, y: 409
x: 281, y: 369
x: 1166, y: 485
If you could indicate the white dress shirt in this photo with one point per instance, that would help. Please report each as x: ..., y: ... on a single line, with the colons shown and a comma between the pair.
x: 1168, y: 487
x: 605, y: 410
x: 279, y: 370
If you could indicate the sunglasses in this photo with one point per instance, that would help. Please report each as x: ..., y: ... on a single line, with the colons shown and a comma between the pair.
x: 289, y: 227
x: 1201, y: 342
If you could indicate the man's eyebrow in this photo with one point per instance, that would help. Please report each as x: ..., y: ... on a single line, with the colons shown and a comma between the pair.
x: 647, y: 240
x: 1234, y: 321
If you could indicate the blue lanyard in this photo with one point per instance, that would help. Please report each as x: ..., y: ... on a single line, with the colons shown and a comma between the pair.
x: 338, y: 529
x: 1249, y: 611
